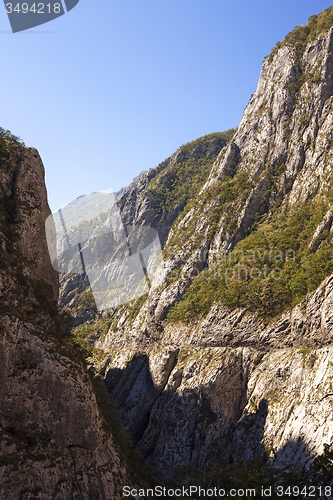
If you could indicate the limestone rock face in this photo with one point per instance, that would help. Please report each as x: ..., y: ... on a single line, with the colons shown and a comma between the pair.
x: 53, y: 444
x: 25, y: 183
x: 279, y: 127
x: 53, y: 439
x: 229, y: 386
x: 74, y: 286
x: 221, y: 405
x: 138, y: 204
x: 237, y: 388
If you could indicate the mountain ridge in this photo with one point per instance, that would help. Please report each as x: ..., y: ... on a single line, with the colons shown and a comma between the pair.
x: 268, y: 190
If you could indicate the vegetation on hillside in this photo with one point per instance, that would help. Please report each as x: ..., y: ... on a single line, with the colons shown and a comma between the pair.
x: 182, y: 181
x: 300, y: 36
x: 272, y: 269
x: 8, y: 143
x: 221, y: 198
x: 269, y: 271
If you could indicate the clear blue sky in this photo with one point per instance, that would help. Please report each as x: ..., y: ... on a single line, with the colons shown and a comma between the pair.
x: 115, y: 86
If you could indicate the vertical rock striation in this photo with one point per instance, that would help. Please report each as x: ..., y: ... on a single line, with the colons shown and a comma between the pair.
x: 239, y: 387
x: 53, y: 439
x: 221, y: 383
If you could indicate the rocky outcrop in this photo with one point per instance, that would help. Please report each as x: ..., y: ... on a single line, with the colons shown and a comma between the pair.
x: 54, y: 442
x: 75, y: 295
x: 221, y: 405
x: 310, y: 323
x: 25, y: 208
x: 285, y: 134
x: 238, y: 390
x: 139, y: 204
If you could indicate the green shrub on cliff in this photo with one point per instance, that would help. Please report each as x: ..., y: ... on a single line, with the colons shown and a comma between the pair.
x: 269, y: 271
x: 9, y: 142
x: 182, y: 181
x: 300, y: 36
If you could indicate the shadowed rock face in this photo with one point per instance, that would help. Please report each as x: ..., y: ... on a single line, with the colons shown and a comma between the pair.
x: 53, y: 443
x: 23, y: 183
x: 220, y: 405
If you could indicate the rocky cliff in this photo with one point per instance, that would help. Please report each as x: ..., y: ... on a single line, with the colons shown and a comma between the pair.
x: 54, y: 441
x: 229, y: 357
x: 229, y: 388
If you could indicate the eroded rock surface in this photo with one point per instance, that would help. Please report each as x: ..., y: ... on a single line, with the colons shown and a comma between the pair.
x: 53, y: 439
x: 53, y: 442
x: 231, y: 386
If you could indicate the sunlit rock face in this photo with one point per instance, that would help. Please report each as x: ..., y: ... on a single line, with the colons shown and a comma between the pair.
x: 230, y: 386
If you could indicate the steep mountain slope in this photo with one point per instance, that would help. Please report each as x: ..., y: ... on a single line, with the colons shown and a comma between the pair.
x: 54, y: 442
x: 154, y: 200
x: 229, y: 357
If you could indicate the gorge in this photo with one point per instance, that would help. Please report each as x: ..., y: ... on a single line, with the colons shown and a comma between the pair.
x: 228, y: 360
